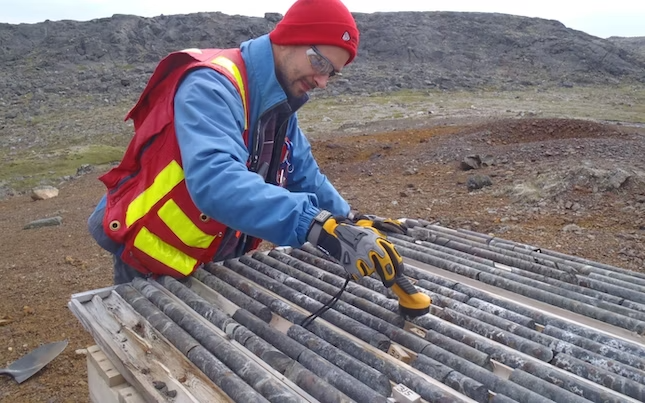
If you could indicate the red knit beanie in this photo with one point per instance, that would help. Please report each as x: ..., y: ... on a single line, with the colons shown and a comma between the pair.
x: 318, y: 22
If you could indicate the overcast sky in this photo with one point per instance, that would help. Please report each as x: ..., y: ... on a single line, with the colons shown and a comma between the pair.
x: 600, y: 18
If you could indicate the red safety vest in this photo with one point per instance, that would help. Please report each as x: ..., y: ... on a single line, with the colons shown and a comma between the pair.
x: 149, y: 209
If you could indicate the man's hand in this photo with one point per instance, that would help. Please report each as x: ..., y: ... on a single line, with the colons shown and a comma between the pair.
x: 361, y: 250
x: 381, y: 224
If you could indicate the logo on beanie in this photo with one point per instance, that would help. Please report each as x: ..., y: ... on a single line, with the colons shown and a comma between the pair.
x: 346, y: 36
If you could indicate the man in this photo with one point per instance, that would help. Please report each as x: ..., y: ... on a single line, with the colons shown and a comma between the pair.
x: 219, y: 163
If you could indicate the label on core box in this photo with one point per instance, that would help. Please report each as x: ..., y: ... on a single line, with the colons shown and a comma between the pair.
x: 402, y: 394
x: 398, y: 353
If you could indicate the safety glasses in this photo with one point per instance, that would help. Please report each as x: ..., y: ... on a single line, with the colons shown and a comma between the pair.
x: 320, y: 63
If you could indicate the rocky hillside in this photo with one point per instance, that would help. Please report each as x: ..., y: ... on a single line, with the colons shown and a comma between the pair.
x: 634, y: 44
x: 110, y: 59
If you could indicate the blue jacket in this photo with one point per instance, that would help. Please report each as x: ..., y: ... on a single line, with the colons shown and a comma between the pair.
x: 209, y: 119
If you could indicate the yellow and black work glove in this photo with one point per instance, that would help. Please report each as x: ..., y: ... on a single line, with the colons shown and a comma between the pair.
x: 361, y: 250
x: 381, y: 224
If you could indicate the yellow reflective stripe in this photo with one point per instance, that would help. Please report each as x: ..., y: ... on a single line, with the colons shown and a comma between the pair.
x: 166, y: 180
x: 172, y: 257
x: 183, y: 227
x: 235, y: 72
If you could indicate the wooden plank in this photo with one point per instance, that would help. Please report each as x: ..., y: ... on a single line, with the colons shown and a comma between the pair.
x: 129, y: 395
x: 88, y: 295
x: 99, y: 390
x: 105, y: 384
x: 104, y: 366
x: 138, y: 364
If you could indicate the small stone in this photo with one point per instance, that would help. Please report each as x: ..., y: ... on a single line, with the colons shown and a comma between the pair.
x: 159, y: 384
x: 84, y: 169
x: 44, y: 222
x: 470, y: 162
x: 478, y: 181
x: 44, y: 193
x: 572, y: 228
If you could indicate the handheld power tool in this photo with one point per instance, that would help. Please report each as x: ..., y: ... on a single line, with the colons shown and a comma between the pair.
x: 363, y: 250
x: 412, y: 303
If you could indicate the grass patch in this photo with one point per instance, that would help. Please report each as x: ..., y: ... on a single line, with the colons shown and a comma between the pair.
x: 26, y: 171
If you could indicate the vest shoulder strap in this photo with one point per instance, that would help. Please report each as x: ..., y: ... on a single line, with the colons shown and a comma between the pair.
x: 228, y: 62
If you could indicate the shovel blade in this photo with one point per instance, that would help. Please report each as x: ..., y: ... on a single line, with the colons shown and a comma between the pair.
x: 28, y: 365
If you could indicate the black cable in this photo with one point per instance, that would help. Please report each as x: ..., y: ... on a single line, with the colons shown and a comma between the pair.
x: 307, y: 321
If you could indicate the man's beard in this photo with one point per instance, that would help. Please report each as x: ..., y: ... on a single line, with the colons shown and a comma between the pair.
x: 282, y: 80
x: 289, y: 86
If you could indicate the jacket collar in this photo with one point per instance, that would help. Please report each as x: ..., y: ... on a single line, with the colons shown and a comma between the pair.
x: 263, y: 83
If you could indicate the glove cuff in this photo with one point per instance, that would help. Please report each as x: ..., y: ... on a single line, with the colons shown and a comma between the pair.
x: 316, y: 226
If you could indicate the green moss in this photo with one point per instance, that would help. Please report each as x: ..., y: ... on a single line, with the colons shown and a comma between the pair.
x: 26, y: 171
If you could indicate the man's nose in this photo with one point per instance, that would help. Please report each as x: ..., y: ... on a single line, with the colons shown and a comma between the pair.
x: 321, y: 80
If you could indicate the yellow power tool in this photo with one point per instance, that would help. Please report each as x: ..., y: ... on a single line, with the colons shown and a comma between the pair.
x: 362, y: 250
x: 412, y: 303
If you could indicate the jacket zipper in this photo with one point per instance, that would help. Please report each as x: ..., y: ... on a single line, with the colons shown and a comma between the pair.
x: 278, y: 143
x: 258, y: 139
